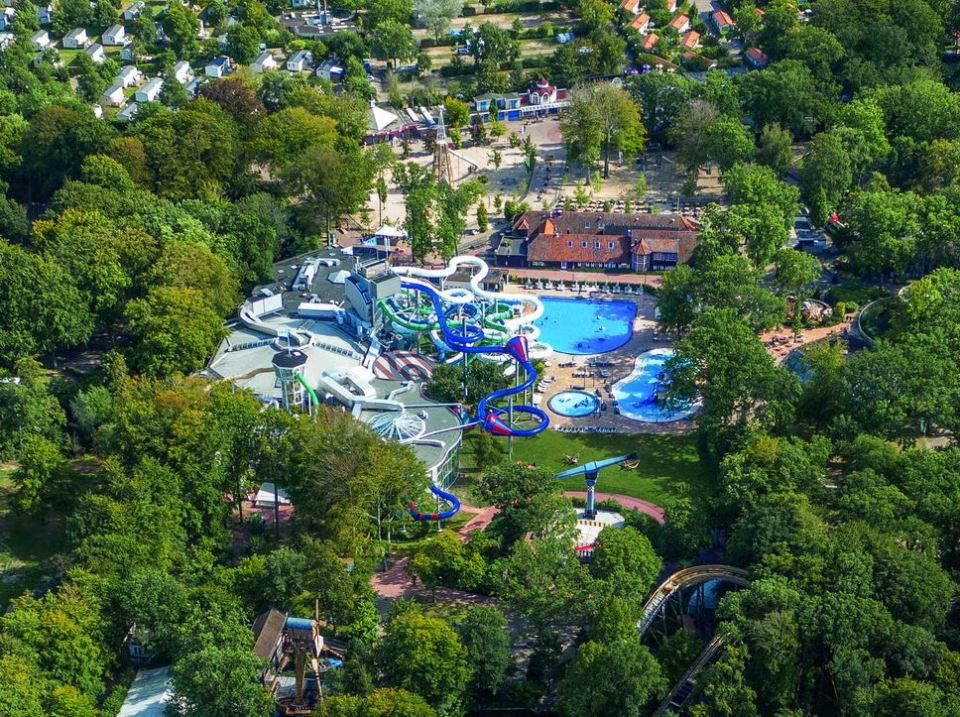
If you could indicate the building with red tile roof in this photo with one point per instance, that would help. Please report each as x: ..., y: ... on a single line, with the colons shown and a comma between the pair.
x: 607, y: 240
x: 690, y: 40
x: 650, y: 41
x: 723, y: 21
x: 680, y: 23
x: 640, y: 22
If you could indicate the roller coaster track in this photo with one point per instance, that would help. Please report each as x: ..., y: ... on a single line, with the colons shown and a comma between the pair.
x: 687, y: 687
x: 685, y: 578
x: 684, y: 692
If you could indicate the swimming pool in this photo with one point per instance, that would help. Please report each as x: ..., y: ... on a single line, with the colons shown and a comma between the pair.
x: 585, y: 326
x: 635, y: 393
x: 573, y: 404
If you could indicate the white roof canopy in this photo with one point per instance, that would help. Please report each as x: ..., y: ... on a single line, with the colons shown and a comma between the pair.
x: 382, y: 118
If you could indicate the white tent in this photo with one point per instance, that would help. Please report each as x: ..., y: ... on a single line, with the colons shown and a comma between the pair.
x: 338, y: 277
x: 390, y: 232
x: 382, y: 118
x: 265, y: 496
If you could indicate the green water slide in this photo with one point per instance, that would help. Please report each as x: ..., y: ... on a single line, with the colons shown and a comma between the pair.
x: 406, y: 323
x: 314, y: 401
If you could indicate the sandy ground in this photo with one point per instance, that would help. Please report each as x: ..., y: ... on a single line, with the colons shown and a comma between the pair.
x: 510, y: 180
x: 779, y: 343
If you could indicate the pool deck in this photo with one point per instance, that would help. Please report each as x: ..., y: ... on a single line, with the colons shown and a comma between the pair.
x: 623, y: 359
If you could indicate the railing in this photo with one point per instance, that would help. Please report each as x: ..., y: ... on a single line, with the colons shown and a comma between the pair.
x: 687, y: 687
x: 685, y: 578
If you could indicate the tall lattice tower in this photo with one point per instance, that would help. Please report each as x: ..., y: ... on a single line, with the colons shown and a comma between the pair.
x: 441, y: 154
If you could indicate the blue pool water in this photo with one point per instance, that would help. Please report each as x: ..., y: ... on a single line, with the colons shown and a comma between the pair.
x: 585, y: 326
x: 634, y: 394
x: 573, y: 403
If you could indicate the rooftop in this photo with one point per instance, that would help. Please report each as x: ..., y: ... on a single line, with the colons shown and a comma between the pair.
x: 149, y: 694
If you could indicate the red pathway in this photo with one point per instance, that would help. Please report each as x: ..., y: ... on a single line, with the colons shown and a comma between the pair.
x: 651, y: 509
x: 396, y: 582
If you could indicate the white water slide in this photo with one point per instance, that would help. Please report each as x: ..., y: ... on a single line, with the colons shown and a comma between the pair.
x: 522, y: 324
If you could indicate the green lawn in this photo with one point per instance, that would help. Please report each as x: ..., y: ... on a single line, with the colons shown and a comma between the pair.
x: 25, y: 546
x: 669, y: 465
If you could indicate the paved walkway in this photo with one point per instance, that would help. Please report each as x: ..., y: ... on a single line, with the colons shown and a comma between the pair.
x: 651, y: 509
x: 781, y: 349
x: 589, y: 277
x: 396, y: 582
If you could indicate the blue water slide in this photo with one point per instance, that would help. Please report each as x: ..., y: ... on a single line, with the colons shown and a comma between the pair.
x: 445, y: 515
x: 464, y: 338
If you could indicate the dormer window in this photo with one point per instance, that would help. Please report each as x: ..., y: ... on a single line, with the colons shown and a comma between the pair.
x: 596, y: 245
x: 584, y: 245
x: 569, y: 245
x: 609, y: 245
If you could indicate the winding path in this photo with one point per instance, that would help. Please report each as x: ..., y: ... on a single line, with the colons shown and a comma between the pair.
x: 396, y: 582
x: 651, y: 509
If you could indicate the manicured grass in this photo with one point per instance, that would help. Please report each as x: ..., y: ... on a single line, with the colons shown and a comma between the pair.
x: 669, y: 465
x: 25, y: 546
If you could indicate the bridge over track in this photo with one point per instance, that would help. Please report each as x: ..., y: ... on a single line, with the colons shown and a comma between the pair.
x: 686, y: 578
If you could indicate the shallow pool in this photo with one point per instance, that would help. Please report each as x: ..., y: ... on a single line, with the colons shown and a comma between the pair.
x: 574, y: 403
x: 585, y: 326
x: 635, y: 393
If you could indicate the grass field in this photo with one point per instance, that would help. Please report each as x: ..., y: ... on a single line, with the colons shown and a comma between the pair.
x: 669, y: 465
x: 25, y: 546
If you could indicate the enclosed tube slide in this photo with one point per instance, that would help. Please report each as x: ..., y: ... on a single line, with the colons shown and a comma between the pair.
x: 464, y: 339
x: 444, y: 515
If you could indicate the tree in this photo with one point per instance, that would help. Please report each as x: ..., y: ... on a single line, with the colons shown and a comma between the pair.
x: 381, y: 11
x: 616, y: 679
x: 243, y: 44
x: 58, y: 139
x: 425, y: 656
x: 436, y: 15
x: 194, y: 266
x: 826, y: 174
x: 482, y: 378
x: 483, y: 220
x: 785, y: 93
x: 181, y: 26
x: 392, y: 40
x: 757, y: 185
x: 796, y: 270
x: 601, y: 118
x: 483, y: 631
x: 625, y: 561
x: 330, y: 182
x: 283, y: 136
x: 722, y: 360
x: 493, y: 47
x: 774, y: 148
x: 174, y: 329
x: 39, y: 475
x: 703, y: 135
x: 43, y: 308
x: 456, y: 112
x: 221, y: 680
x: 384, y: 702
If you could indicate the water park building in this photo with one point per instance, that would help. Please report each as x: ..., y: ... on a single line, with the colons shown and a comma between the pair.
x: 310, y: 337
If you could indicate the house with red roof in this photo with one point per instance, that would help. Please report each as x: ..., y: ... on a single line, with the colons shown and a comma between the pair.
x: 756, y: 58
x: 650, y: 41
x: 640, y: 22
x: 631, y: 6
x: 690, y: 40
x: 723, y: 21
x: 680, y: 23
x: 600, y: 240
